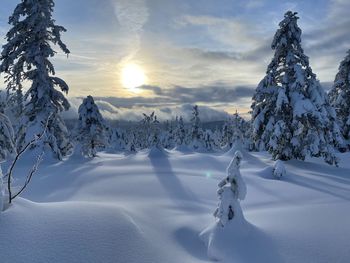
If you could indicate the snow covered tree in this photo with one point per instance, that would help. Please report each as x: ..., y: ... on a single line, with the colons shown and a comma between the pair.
x: 168, y: 135
x: 292, y: 117
x: 117, y: 140
x: 238, y: 129
x: 91, y: 128
x: 151, y: 131
x: 180, y: 132
x: 208, y: 140
x: 196, y: 132
x: 217, y: 138
x: 231, y: 190
x: 227, y: 133
x: 131, y: 144
x: 340, y: 96
x: 25, y: 58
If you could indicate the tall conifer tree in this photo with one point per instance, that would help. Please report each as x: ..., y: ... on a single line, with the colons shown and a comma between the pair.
x: 292, y: 117
x: 26, y: 58
x: 340, y: 96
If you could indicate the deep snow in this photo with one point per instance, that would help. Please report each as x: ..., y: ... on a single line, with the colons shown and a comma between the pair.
x: 151, y: 207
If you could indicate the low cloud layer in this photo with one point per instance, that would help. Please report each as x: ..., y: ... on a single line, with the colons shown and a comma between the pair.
x: 171, y: 102
x: 109, y: 111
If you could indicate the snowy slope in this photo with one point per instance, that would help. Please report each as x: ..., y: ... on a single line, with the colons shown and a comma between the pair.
x: 150, y: 207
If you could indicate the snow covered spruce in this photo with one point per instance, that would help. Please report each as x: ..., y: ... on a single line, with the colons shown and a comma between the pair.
x: 180, y: 132
x: 25, y: 58
x: 229, y: 216
x: 340, y: 96
x: 292, y: 117
x: 90, y: 132
x: 196, y: 136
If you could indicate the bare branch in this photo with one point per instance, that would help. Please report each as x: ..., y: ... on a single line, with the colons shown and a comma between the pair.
x: 19, y: 154
x: 30, y: 175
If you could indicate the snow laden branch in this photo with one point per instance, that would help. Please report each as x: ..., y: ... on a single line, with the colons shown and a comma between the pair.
x: 34, y: 169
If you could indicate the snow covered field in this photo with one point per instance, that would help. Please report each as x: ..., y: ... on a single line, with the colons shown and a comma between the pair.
x: 151, y: 207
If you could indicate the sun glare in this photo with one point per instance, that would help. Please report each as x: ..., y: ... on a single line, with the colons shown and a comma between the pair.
x: 133, y: 76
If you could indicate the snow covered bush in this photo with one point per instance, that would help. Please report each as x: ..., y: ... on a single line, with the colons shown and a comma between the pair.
x: 340, y: 96
x: 292, y: 117
x: 25, y: 58
x: 231, y: 190
x: 230, y: 224
x: 90, y: 132
x: 279, y: 170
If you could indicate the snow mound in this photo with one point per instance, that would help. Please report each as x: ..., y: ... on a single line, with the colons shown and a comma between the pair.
x: 118, y: 209
x: 156, y: 152
x: 183, y: 149
x: 71, y: 232
x: 237, y: 146
x: 229, y: 243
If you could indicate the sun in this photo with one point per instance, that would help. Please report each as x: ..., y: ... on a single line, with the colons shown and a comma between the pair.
x: 133, y: 76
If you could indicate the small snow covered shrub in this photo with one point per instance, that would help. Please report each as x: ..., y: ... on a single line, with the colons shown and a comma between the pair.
x: 279, y: 170
x: 231, y: 190
x: 230, y: 225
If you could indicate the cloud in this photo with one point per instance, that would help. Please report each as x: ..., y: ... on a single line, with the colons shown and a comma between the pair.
x: 229, y: 31
x: 204, y: 94
x: 253, y: 4
x: 109, y: 111
x: 132, y: 15
x: 328, y: 40
x: 171, y: 102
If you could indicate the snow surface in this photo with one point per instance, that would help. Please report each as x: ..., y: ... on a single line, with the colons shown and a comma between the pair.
x: 151, y: 207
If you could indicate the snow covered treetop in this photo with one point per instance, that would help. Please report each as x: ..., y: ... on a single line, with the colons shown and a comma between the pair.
x: 288, y: 50
x: 89, y: 112
x: 234, y: 177
x: 342, y: 78
x: 289, y: 32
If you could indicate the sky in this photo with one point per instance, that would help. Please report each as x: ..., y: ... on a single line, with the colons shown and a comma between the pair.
x: 207, y: 52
